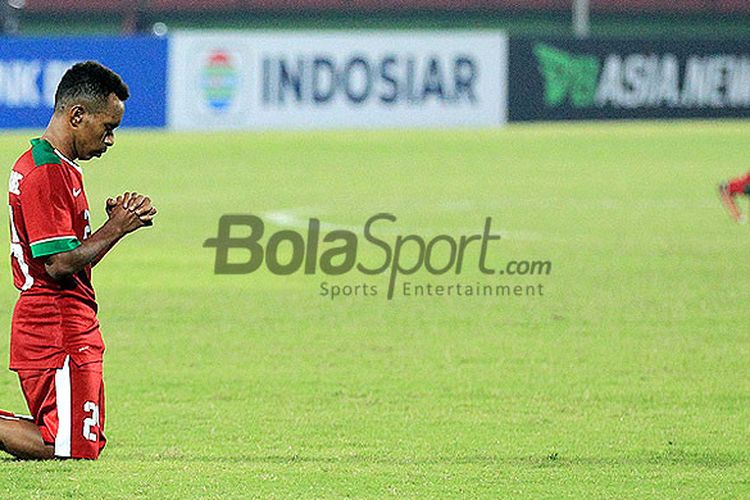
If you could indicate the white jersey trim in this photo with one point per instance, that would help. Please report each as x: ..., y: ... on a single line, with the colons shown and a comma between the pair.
x: 55, y: 238
x: 64, y: 410
x: 16, y: 250
x: 69, y: 162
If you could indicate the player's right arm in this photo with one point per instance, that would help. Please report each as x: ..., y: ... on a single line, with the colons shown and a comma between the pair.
x: 123, y: 219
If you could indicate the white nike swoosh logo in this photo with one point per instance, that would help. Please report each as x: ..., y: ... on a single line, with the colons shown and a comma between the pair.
x: 76, y: 192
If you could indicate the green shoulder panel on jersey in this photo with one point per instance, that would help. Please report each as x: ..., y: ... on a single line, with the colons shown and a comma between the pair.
x: 54, y: 245
x: 43, y: 153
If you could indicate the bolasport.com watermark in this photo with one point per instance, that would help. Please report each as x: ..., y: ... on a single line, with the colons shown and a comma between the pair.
x: 401, y: 258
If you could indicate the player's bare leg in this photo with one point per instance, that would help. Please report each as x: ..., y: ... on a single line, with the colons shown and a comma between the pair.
x: 21, y: 438
x: 727, y: 198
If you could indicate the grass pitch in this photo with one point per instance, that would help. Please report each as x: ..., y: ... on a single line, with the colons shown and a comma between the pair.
x: 628, y: 377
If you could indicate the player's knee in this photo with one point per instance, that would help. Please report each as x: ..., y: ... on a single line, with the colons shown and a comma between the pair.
x: 32, y: 452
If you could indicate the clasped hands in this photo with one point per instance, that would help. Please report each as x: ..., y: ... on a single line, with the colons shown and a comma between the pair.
x: 131, y: 211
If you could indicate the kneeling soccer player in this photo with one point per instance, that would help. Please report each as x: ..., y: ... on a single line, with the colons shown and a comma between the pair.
x: 55, y: 344
x: 729, y: 190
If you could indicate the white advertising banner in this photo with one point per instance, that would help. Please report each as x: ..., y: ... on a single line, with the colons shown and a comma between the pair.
x: 377, y: 79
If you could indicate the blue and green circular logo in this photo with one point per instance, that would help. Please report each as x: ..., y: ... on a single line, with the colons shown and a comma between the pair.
x: 219, y: 80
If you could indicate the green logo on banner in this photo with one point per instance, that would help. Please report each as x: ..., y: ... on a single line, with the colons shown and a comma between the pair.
x: 567, y: 75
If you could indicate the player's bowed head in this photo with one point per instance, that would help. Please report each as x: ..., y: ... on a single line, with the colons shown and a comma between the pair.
x: 89, y: 106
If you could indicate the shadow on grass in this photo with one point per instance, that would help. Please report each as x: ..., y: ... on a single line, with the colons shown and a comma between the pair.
x: 668, y: 457
x: 704, y: 459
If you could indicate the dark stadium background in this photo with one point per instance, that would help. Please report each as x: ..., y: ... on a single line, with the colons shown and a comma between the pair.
x: 715, y: 18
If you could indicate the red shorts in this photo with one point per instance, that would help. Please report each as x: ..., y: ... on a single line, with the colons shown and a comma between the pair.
x: 68, y: 406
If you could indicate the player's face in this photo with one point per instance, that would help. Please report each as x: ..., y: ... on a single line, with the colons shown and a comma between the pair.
x: 97, y: 130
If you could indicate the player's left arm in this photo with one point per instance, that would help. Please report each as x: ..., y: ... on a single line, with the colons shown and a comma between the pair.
x: 121, y: 221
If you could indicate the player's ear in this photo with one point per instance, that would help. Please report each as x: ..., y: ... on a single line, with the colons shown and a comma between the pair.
x: 75, y: 115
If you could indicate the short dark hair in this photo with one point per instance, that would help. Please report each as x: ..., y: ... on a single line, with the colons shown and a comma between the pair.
x: 89, y: 83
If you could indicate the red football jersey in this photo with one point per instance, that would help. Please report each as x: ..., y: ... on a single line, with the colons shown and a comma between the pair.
x: 49, y: 214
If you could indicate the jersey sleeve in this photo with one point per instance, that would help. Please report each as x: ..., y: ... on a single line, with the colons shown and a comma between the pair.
x: 47, y: 206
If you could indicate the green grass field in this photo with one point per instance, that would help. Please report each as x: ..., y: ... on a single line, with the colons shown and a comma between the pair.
x: 628, y: 378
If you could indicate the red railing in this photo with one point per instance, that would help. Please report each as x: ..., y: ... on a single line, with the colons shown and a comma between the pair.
x: 629, y: 6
